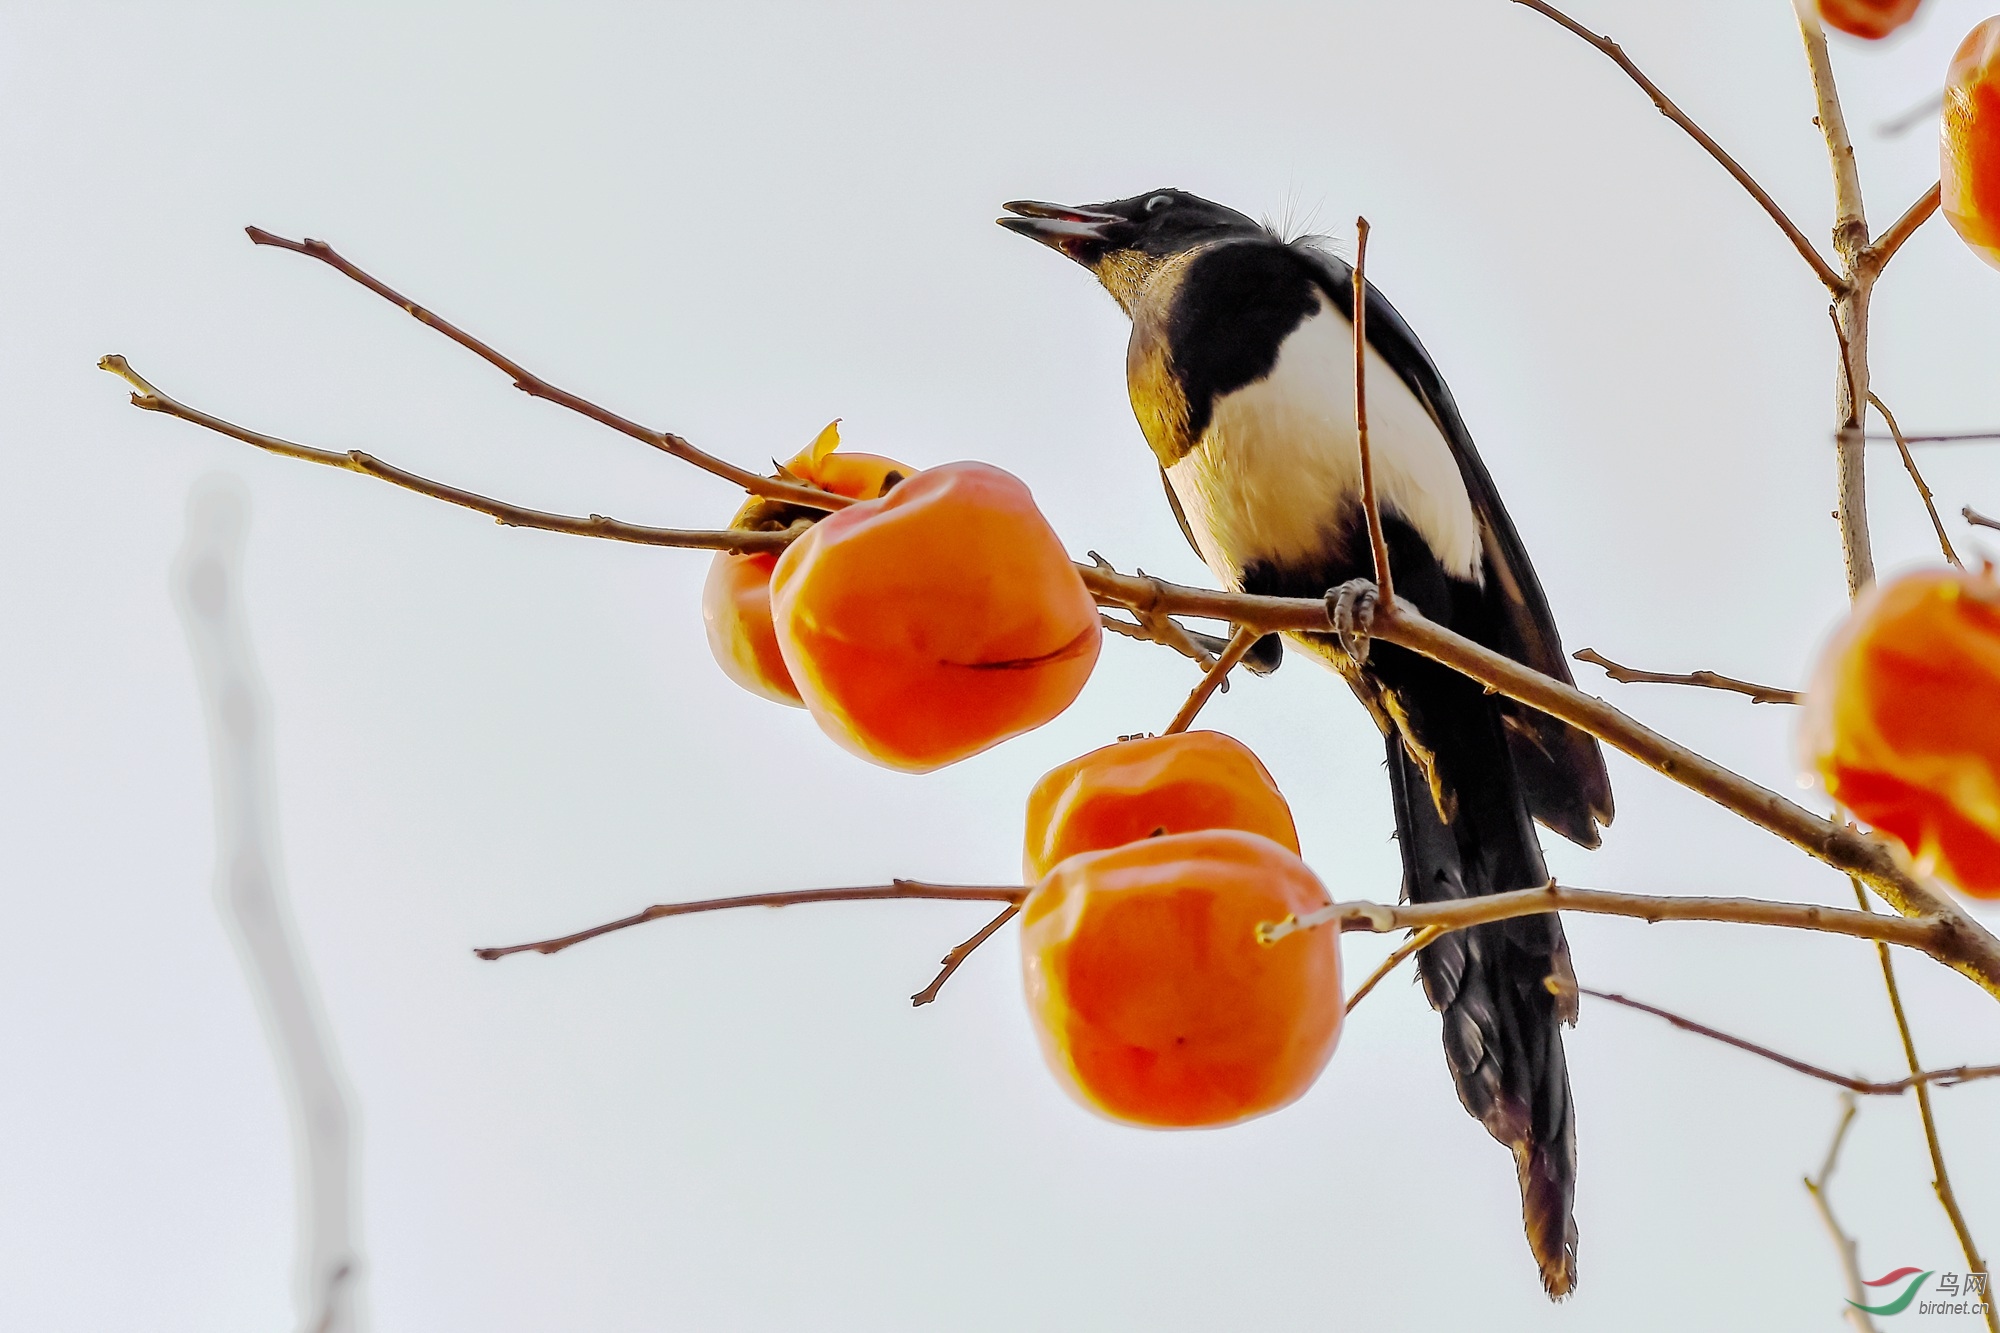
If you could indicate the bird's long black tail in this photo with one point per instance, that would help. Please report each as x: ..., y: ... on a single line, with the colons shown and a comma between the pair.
x: 1502, y: 1021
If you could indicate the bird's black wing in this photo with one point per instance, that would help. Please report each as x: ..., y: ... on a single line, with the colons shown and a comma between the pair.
x: 1561, y: 768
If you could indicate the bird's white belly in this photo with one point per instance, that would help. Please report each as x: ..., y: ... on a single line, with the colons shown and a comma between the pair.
x: 1277, y: 475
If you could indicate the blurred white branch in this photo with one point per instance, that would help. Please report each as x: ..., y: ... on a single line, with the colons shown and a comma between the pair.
x: 207, y: 589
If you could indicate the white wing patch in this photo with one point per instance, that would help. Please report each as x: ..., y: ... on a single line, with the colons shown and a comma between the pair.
x: 1278, y: 472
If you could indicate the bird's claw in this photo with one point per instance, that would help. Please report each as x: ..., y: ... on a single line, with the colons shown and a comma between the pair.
x: 1351, y: 607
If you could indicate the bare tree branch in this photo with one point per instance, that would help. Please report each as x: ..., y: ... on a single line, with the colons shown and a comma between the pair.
x: 1923, y: 491
x: 1940, y: 1177
x: 1378, y: 543
x: 897, y: 890
x: 513, y: 516
x: 963, y: 952
x: 1859, y: 1086
x: 1924, y: 934
x: 1216, y: 675
x: 1807, y: 251
x: 1392, y: 962
x: 1940, y: 437
x: 536, y: 387
x: 1850, y: 308
x: 1977, y: 519
x: 1707, y: 680
x: 1844, y: 1248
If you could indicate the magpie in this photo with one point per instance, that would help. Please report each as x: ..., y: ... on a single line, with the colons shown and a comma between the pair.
x: 1241, y: 373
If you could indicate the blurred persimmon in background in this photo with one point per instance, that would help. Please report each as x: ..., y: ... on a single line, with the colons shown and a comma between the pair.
x: 1969, y: 142
x: 1151, y: 785
x: 1153, y: 998
x: 1903, y: 721
x: 1873, y: 19
x: 935, y: 622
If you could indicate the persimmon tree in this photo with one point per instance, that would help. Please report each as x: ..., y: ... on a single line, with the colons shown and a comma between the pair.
x: 841, y: 569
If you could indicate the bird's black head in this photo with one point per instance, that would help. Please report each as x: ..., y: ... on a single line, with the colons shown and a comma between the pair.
x: 1123, y: 242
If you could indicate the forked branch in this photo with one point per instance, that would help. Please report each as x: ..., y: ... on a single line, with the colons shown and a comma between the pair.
x: 1824, y: 271
x: 145, y: 396
x: 536, y: 387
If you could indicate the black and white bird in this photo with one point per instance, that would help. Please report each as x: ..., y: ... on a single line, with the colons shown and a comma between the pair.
x: 1241, y: 372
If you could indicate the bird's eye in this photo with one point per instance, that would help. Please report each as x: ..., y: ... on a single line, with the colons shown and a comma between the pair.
x: 1158, y: 202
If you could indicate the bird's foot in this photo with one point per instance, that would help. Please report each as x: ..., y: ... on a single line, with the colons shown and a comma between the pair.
x: 1351, y: 607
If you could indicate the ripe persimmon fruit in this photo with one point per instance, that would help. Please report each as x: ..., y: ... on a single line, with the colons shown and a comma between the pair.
x: 1873, y: 19
x: 1147, y: 786
x: 1903, y: 721
x: 935, y: 622
x: 1969, y: 142
x: 736, y: 599
x: 1154, y: 999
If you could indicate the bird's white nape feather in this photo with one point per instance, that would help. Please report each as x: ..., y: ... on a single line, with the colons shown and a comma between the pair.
x: 1277, y: 470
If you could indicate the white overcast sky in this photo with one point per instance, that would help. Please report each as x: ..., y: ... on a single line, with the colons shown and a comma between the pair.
x: 739, y: 222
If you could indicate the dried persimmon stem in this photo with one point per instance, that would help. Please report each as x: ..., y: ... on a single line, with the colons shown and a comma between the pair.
x: 901, y: 889
x: 963, y: 952
x: 1940, y: 1178
x: 1392, y: 962
x: 1862, y: 1087
x: 1239, y: 644
x: 1707, y: 680
x: 514, y: 516
x: 1378, y: 543
x: 536, y: 387
x: 1665, y: 104
x: 1923, y: 491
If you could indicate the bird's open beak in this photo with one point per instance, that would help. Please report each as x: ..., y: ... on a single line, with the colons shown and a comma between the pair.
x: 1079, y: 233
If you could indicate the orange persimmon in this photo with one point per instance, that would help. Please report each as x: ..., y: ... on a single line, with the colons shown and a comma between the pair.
x: 939, y: 620
x: 1153, y: 998
x: 736, y: 600
x: 1969, y: 142
x: 1873, y: 19
x: 1903, y: 721
x: 1147, y: 786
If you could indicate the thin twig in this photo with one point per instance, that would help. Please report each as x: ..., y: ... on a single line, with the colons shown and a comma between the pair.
x: 897, y: 889
x: 536, y: 387
x: 1940, y: 437
x: 1194, y: 646
x: 1940, y: 1178
x: 1392, y: 962
x: 1707, y: 680
x: 1239, y: 644
x: 1877, y: 256
x: 1844, y: 1246
x: 513, y: 516
x: 1862, y: 1087
x: 1977, y: 519
x: 963, y: 952
x: 1823, y: 270
x: 1377, y: 542
x: 1923, y: 491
